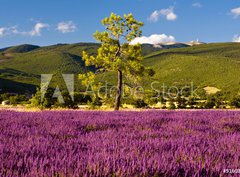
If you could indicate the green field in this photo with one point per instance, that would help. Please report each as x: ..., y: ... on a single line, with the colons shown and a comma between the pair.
x: 213, y: 65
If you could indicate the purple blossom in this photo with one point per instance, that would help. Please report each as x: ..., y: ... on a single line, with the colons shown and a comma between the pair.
x: 148, y: 143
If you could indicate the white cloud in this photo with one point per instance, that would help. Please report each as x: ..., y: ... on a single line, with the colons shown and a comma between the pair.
x: 66, y: 27
x: 154, y: 16
x: 63, y: 27
x: 169, y: 13
x: 235, y: 12
x: 236, y: 38
x: 3, y: 31
x: 153, y: 39
x: 14, y: 30
x: 166, y: 13
x: 197, y: 5
x: 36, y: 31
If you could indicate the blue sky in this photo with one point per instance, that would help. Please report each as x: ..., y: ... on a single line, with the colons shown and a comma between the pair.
x: 49, y: 22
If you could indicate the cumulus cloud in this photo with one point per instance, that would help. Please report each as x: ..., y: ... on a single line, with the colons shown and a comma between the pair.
x: 197, y: 5
x: 36, y: 31
x: 154, y: 16
x: 3, y: 31
x: 236, y: 38
x: 165, y: 13
x: 153, y: 39
x: 63, y: 27
x: 66, y: 27
x: 235, y: 12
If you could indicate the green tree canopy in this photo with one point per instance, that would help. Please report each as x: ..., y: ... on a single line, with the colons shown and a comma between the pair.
x: 116, y: 53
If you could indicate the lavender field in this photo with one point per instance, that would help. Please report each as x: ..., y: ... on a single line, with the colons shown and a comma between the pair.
x: 149, y: 143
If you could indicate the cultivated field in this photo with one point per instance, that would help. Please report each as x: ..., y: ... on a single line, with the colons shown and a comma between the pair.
x: 148, y: 143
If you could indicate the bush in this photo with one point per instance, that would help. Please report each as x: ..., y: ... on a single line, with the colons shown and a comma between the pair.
x: 140, y: 104
x: 95, y: 103
x: 235, y: 102
x: 13, y: 99
x: 214, y: 101
x: 81, y: 98
x: 191, y: 102
x: 182, y: 102
x: 17, y: 99
x: 210, y: 103
x: 171, y: 105
x: 50, y: 102
x: 5, y: 96
x: 137, y: 103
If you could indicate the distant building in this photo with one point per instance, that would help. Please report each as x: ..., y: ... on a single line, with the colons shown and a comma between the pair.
x: 4, y: 103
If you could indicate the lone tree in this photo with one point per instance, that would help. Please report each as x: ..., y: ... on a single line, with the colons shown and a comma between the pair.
x: 116, y: 53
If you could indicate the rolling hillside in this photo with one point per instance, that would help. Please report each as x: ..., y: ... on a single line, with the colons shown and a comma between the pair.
x: 25, y: 67
x: 206, y: 65
x: 21, y: 66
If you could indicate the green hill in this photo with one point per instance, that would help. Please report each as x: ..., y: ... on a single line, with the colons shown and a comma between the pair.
x: 27, y: 67
x: 21, y: 48
x: 213, y: 65
x: 24, y: 64
x: 207, y: 65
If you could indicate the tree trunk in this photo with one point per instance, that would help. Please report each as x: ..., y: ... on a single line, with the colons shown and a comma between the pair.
x: 119, y: 91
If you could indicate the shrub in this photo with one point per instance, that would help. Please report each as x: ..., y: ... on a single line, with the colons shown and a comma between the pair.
x: 17, y: 99
x: 81, y: 98
x: 140, y: 104
x: 182, y: 102
x: 171, y: 105
x: 235, y: 102
x: 191, y: 102
x: 95, y: 103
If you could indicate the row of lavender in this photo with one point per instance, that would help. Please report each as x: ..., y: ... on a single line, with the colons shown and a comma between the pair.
x: 160, y: 143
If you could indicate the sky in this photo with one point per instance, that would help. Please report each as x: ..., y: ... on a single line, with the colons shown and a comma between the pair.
x: 47, y: 22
